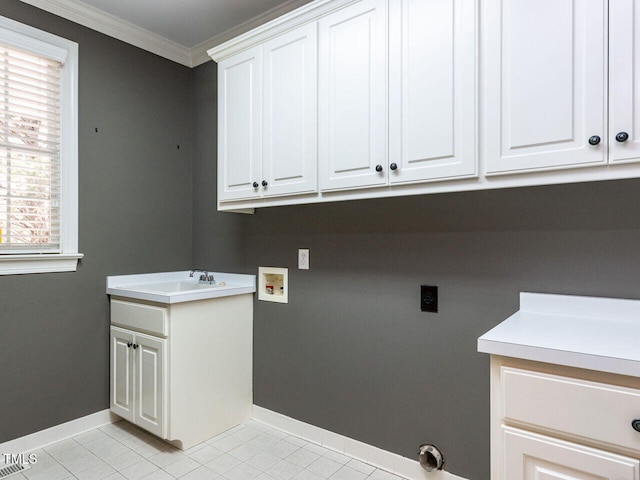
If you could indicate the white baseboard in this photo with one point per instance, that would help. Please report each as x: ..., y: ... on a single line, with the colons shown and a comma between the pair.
x: 382, y: 459
x: 40, y: 439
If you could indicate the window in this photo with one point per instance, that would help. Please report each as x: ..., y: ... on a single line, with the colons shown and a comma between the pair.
x: 38, y: 151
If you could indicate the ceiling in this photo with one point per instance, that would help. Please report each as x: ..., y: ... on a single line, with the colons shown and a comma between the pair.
x: 181, y: 30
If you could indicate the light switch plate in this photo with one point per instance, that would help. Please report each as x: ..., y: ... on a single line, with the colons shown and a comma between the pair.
x: 303, y: 259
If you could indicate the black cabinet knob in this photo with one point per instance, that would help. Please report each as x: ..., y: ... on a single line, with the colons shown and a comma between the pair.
x: 378, y: 168
x: 255, y: 185
x: 594, y: 140
x: 636, y: 424
x: 129, y: 344
x: 393, y: 166
x: 264, y: 183
x: 622, y: 137
x: 135, y: 346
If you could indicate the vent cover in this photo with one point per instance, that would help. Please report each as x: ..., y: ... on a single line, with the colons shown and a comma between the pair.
x: 12, y: 468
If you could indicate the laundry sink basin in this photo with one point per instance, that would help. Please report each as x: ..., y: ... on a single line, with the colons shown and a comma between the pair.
x: 168, y: 287
x: 177, y: 287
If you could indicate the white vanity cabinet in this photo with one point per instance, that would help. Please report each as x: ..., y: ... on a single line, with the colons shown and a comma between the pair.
x: 565, y: 389
x: 182, y: 371
x: 559, y: 82
x: 138, y: 379
x: 267, y: 114
x: 562, y: 425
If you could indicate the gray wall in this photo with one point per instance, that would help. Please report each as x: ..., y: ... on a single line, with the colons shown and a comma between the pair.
x: 353, y: 353
x: 135, y: 216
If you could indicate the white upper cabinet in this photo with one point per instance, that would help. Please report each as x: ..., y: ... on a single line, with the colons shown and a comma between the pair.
x: 624, y: 81
x: 290, y: 112
x: 240, y: 125
x: 432, y: 89
x: 353, y: 96
x: 267, y: 141
x: 544, y: 84
x: 354, y: 99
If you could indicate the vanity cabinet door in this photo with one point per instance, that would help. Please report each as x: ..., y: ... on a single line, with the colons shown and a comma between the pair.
x: 121, y: 385
x: 150, y: 383
x: 138, y: 379
x: 290, y: 112
x: 352, y: 96
x: 240, y: 125
x: 432, y: 90
x: 544, y: 84
x: 530, y: 456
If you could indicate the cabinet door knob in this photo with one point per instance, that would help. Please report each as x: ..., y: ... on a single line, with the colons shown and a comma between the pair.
x: 135, y: 346
x: 393, y: 166
x: 255, y: 185
x: 594, y: 140
x: 264, y: 183
x: 378, y: 168
x: 622, y: 137
x: 129, y: 344
x: 636, y: 424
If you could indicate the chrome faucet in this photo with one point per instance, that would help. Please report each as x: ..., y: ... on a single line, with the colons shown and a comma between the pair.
x: 206, y: 277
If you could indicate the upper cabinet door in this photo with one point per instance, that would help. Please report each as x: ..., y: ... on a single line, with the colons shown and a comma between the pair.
x: 352, y: 96
x: 624, y: 81
x: 290, y: 112
x: 240, y: 125
x: 432, y: 73
x: 544, y: 84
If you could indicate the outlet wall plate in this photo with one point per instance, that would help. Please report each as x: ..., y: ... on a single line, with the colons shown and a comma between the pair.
x: 303, y: 259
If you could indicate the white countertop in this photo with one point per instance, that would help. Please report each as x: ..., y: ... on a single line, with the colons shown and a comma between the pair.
x: 152, y: 286
x: 586, y: 332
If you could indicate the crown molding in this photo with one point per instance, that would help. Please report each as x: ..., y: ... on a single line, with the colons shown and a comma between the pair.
x: 281, y: 24
x: 199, y: 53
x: 95, y: 19
x: 115, y: 27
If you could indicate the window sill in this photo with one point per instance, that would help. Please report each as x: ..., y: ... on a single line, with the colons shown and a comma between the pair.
x: 39, y: 263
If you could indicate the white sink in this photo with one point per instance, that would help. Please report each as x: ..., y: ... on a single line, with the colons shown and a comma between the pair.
x: 177, y: 287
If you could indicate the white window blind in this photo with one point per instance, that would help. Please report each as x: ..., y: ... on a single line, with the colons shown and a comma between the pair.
x: 29, y: 152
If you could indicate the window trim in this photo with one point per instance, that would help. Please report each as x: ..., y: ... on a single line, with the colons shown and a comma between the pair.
x: 46, y: 44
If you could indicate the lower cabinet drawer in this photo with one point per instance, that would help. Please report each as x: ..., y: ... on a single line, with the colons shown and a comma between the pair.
x: 590, y: 410
x: 530, y: 456
x: 140, y: 317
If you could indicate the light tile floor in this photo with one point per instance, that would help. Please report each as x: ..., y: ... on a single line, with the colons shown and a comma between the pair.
x: 252, y: 451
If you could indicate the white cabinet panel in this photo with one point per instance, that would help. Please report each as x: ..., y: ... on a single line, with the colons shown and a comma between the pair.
x: 149, y: 381
x: 121, y: 373
x: 290, y: 112
x: 544, y: 84
x: 352, y: 96
x: 624, y: 81
x: 432, y: 91
x: 529, y: 456
x: 138, y: 379
x: 534, y: 398
x: 240, y: 125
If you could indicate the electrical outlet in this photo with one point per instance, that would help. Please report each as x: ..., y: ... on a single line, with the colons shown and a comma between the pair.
x: 429, y: 298
x: 303, y: 259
